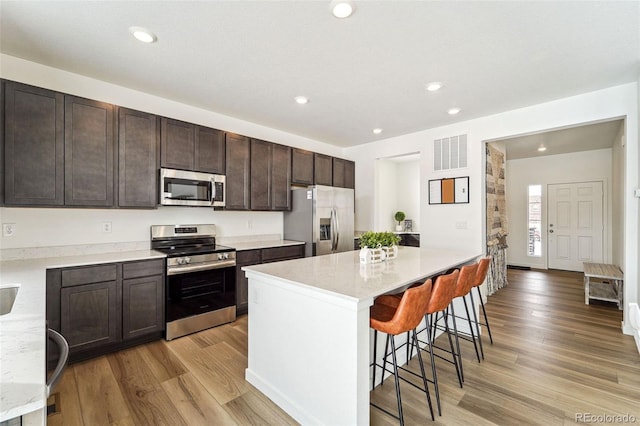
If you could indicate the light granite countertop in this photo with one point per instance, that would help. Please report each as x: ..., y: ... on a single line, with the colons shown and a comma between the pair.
x: 343, y: 275
x: 23, y: 330
x: 254, y: 245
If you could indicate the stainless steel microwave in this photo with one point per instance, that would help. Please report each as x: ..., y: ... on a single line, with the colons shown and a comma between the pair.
x: 185, y: 188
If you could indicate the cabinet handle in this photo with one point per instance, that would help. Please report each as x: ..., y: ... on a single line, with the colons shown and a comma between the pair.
x: 62, y: 361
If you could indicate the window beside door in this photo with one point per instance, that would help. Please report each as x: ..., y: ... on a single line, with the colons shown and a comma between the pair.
x: 534, y: 220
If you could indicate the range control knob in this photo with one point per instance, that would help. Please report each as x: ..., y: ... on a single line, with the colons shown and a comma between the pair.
x: 180, y: 261
x: 187, y: 260
x: 220, y: 256
x: 226, y: 255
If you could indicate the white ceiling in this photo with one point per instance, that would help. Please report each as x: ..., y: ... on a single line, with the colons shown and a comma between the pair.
x: 249, y: 59
x: 562, y: 141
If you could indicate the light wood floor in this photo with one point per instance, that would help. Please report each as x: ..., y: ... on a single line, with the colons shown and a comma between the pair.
x: 554, y: 358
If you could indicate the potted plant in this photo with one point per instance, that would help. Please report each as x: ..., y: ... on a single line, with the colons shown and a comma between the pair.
x: 399, y: 217
x: 378, y: 246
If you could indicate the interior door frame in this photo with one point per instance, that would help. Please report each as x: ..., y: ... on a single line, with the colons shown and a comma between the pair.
x: 606, y: 207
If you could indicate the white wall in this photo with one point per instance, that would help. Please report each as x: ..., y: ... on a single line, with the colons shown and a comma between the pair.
x: 408, y: 188
x: 53, y: 227
x: 565, y: 168
x: 438, y: 222
x: 617, y: 198
x: 397, y: 188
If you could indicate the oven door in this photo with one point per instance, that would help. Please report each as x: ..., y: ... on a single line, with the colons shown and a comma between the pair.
x: 195, y: 293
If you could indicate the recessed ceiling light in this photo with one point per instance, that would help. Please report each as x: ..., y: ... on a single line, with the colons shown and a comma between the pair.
x: 454, y: 111
x: 542, y: 148
x: 434, y: 86
x: 143, y: 34
x: 377, y: 130
x: 342, y: 8
x: 301, y: 100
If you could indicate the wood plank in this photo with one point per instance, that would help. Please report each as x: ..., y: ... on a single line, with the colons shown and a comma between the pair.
x: 195, y: 404
x: 147, y: 401
x: 69, y: 413
x: 253, y: 408
x: 100, y: 397
x: 163, y: 363
x: 219, y: 381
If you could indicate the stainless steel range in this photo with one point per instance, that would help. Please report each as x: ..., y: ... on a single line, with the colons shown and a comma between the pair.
x: 201, y: 278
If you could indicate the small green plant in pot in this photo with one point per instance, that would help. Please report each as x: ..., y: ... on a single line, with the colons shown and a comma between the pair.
x: 399, y: 217
x: 372, y: 239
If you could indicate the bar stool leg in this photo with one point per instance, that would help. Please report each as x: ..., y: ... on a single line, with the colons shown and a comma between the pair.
x: 457, y: 364
x: 429, y: 319
x: 475, y: 320
x: 375, y: 357
x: 486, y: 321
x: 473, y: 334
x: 424, y: 375
x: 384, y: 360
x: 397, y: 379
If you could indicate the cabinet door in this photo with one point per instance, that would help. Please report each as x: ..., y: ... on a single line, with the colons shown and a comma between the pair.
x: 301, y: 167
x: 261, y: 152
x: 323, y: 169
x: 349, y: 174
x: 210, y: 150
x: 88, y: 153
x: 339, y: 172
x: 280, y: 177
x: 142, y: 306
x: 138, y: 149
x: 90, y: 315
x: 178, y: 146
x: 34, y: 146
x: 244, y: 258
x: 238, y: 169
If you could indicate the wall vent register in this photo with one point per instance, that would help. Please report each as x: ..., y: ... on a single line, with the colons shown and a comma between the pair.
x: 450, y: 153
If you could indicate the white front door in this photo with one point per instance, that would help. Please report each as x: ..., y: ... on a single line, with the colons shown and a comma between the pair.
x: 576, y: 225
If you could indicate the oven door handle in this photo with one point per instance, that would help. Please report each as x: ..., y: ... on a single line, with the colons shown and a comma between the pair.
x: 195, y: 268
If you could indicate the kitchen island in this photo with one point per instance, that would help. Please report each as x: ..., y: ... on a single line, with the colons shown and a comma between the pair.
x: 309, y: 348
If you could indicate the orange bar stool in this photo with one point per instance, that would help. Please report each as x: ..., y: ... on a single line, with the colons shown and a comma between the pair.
x: 441, y: 297
x: 393, y: 315
x: 464, y: 284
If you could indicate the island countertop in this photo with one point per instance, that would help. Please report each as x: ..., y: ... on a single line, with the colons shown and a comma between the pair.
x: 343, y: 275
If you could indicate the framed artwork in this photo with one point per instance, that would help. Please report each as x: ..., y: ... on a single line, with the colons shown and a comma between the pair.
x: 449, y: 190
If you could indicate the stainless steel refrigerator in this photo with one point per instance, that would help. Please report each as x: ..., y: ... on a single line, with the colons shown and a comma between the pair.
x: 323, y: 217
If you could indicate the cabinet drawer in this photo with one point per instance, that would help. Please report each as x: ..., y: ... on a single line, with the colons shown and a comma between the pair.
x: 248, y: 257
x: 143, y: 269
x: 88, y: 275
x: 282, y: 253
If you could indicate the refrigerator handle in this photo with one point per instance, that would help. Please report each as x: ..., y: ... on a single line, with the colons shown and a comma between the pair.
x: 336, y: 229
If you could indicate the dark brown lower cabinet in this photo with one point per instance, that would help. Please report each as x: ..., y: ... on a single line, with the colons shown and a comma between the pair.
x: 256, y: 257
x: 107, y: 307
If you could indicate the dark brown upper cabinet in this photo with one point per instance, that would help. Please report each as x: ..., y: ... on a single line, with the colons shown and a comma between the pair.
x: 280, y: 177
x: 178, y: 144
x: 261, y: 152
x: 270, y: 176
x: 188, y: 146
x: 33, y: 146
x: 88, y: 153
x: 138, y: 158
x: 343, y: 173
x: 210, y: 150
x: 238, y: 166
x: 301, y: 167
x: 323, y: 169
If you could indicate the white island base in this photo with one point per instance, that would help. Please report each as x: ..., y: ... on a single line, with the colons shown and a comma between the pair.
x: 309, y: 346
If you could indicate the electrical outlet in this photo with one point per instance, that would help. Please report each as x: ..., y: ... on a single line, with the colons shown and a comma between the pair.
x: 8, y: 229
x: 106, y: 227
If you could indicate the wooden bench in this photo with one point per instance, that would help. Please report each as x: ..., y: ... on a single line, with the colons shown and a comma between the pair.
x: 610, y: 292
